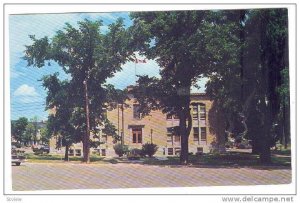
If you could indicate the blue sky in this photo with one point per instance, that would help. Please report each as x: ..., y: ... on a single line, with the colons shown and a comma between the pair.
x: 26, y: 91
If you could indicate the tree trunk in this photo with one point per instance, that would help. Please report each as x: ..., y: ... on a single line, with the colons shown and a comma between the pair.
x: 265, y: 153
x: 67, y: 153
x: 255, y: 146
x: 184, y: 154
x: 242, y: 41
x: 255, y: 149
x: 285, y: 126
x: 184, y: 132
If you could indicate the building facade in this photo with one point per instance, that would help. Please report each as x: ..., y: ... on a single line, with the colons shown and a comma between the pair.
x: 157, y: 128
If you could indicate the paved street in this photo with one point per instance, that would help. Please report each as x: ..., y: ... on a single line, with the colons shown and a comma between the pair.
x: 55, y: 176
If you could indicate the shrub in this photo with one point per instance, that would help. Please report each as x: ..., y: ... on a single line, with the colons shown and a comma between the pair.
x: 38, y: 152
x: 149, y: 149
x: 199, y: 153
x: 229, y: 144
x: 120, y: 150
x: 135, y: 154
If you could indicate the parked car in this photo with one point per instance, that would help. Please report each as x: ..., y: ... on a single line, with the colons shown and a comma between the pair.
x: 40, y: 149
x: 16, y: 159
x: 45, y: 148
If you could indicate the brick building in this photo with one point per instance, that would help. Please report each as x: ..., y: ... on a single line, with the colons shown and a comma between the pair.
x: 157, y: 128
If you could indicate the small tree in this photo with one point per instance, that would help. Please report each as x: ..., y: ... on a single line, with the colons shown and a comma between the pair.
x: 149, y: 149
x: 18, y: 129
x: 29, y: 134
x: 120, y: 149
x: 45, y: 135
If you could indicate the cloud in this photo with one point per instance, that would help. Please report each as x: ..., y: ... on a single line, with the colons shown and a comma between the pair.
x: 151, y: 68
x: 26, y: 90
x: 127, y: 76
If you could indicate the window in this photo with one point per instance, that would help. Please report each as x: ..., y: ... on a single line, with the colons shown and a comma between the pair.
x: 195, y: 111
x: 203, y: 133
x: 136, y: 135
x: 169, y: 135
x: 78, y: 152
x: 136, y: 113
x: 200, y: 150
x: 196, y: 134
x: 170, y: 151
x: 103, y: 152
x: 177, y: 151
x: 169, y: 116
x: 202, y: 112
x: 71, y: 152
x: 177, y: 138
x: 104, y: 138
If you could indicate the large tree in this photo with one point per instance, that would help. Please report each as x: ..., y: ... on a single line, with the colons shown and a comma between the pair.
x: 89, y: 57
x: 176, y: 40
x: 247, y: 81
x: 61, y: 120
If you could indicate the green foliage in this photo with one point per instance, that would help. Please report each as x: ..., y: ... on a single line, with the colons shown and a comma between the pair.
x: 45, y: 135
x: 176, y: 40
x: 18, y: 128
x: 135, y: 154
x: 120, y: 149
x: 29, y: 133
x: 95, y: 144
x: 284, y: 90
x: 16, y: 144
x: 59, y: 99
x: 88, y: 57
x: 149, y: 149
x: 250, y: 51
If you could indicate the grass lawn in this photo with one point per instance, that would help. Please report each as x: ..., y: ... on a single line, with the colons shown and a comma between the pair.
x: 51, y: 158
x: 230, y: 159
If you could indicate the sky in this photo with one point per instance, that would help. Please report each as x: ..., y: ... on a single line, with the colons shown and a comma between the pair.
x: 26, y: 92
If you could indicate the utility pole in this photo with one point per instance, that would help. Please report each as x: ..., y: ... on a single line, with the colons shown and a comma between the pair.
x: 118, y: 119
x: 122, y: 135
x: 86, y: 138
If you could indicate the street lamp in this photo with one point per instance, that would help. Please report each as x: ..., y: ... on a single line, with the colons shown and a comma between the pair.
x: 151, y: 132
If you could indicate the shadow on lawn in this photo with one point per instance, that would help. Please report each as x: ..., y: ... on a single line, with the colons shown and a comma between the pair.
x: 226, y: 160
